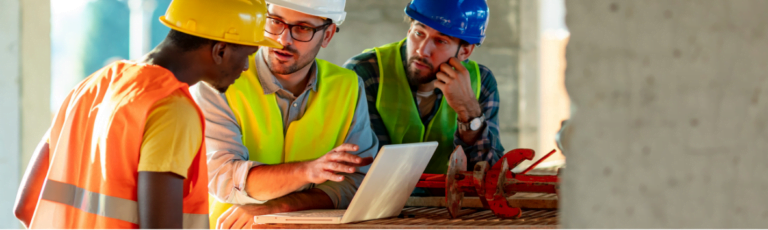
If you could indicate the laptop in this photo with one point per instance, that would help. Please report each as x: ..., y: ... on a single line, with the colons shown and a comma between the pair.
x: 383, y: 192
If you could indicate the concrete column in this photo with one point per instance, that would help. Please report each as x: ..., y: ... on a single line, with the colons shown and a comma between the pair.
x: 140, y: 27
x: 35, y: 74
x: 25, y: 91
x: 672, y: 114
x: 502, y: 54
x: 10, y: 108
x: 529, y: 79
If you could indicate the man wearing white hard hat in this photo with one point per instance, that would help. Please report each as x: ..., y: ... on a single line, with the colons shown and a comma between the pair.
x: 293, y: 133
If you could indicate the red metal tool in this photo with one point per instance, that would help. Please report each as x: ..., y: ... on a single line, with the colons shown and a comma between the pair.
x: 493, y: 185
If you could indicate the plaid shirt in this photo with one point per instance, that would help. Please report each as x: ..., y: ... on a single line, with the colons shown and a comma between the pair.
x: 486, y: 148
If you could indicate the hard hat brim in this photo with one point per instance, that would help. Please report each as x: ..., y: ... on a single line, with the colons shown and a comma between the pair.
x: 337, y: 17
x: 268, y: 42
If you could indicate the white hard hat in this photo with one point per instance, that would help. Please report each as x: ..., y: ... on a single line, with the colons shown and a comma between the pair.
x: 332, y: 9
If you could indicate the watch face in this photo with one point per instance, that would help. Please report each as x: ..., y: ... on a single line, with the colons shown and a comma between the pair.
x: 475, y: 124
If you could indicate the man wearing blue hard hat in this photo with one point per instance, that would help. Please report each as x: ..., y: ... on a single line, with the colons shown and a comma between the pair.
x: 425, y: 88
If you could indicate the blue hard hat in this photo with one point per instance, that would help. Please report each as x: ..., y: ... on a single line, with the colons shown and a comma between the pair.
x: 464, y: 19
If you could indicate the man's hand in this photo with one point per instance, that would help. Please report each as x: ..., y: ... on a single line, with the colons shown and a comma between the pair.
x: 337, y: 160
x: 267, y: 182
x: 453, y: 79
x: 241, y: 216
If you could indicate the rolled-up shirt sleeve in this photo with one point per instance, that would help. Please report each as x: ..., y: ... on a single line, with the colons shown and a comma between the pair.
x: 228, y: 163
x: 361, y: 134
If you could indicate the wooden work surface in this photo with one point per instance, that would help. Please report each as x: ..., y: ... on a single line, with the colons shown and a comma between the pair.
x: 522, y: 200
x: 434, y: 218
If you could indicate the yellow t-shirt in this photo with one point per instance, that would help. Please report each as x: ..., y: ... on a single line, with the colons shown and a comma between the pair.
x: 172, y: 136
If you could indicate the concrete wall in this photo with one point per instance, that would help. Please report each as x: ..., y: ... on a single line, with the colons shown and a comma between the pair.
x: 372, y: 23
x: 36, y: 74
x: 671, y: 117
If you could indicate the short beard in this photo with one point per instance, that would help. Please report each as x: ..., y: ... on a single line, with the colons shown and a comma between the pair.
x: 300, y: 64
x: 415, y: 77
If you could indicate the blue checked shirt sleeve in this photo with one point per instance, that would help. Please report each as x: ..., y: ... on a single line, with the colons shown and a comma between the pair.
x: 367, y: 67
x: 488, y: 146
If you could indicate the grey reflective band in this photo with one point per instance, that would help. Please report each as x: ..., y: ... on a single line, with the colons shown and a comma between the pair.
x: 196, y: 221
x: 107, y: 206
x: 91, y: 202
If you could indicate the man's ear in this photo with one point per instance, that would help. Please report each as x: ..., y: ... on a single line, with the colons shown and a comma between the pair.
x: 465, y: 51
x: 217, y: 52
x: 329, y: 32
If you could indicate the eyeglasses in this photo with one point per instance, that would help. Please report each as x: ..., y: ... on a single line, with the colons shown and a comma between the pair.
x: 300, y: 33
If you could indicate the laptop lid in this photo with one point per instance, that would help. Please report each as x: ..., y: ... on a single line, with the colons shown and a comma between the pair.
x: 390, y: 181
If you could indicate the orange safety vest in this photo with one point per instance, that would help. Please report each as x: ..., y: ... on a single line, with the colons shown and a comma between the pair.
x: 94, y: 145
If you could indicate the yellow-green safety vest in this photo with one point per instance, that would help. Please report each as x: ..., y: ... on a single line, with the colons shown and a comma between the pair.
x: 400, y: 113
x: 323, y: 126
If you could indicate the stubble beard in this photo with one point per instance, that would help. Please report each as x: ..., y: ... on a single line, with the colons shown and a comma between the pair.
x: 417, y: 77
x: 303, y: 61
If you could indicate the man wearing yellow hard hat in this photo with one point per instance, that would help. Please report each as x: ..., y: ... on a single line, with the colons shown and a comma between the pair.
x: 293, y: 132
x: 126, y: 148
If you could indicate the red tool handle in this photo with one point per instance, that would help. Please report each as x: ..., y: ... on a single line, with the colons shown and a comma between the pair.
x: 537, y: 162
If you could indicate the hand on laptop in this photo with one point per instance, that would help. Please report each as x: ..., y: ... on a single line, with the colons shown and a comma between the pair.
x: 337, y: 160
x: 241, y: 216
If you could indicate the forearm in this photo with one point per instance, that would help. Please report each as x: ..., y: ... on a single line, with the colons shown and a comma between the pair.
x: 469, y: 136
x: 304, y: 200
x: 485, y: 148
x: 32, y: 184
x: 466, y: 114
x: 160, y: 200
x: 267, y: 182
x: 487, y: 145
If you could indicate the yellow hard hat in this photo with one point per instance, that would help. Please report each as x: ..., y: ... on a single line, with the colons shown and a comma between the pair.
x: 234, y: 21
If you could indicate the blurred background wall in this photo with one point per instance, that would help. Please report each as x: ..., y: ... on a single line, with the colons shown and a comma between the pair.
x: 670, y: 128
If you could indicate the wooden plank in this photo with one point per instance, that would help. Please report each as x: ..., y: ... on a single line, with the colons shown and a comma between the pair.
x: 438, y: 218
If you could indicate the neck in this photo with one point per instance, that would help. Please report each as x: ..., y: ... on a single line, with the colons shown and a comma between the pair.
x: 180, y: 63
x: 295, y: 82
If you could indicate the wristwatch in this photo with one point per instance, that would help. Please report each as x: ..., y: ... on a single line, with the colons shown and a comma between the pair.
x: 473, y: 125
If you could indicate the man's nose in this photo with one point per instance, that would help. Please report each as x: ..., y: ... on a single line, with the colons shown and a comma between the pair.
x: 425, y: 48
x: 285, y: 38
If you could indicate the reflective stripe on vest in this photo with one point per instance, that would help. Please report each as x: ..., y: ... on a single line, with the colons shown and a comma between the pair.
x: 95, y: 145
x: 323, y: 126
x: 400, y: 113
x: 106, y: 206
